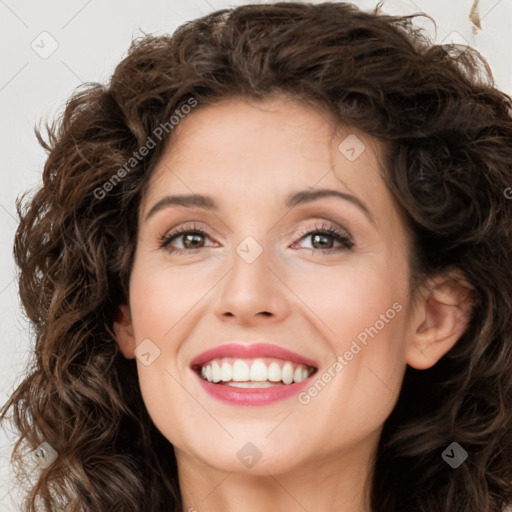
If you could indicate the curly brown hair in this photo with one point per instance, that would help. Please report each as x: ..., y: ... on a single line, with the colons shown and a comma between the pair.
x: 447, y: 131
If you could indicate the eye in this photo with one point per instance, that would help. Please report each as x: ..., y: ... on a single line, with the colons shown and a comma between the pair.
x: 321, y: 235
x: 191, y: 239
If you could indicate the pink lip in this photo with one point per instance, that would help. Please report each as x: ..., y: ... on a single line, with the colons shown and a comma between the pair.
x: 251, y: 351
x: 251, y: 396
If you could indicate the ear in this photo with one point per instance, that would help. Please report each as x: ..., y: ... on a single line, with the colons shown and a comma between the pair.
x: 441, y: 315
x: 123, y: 330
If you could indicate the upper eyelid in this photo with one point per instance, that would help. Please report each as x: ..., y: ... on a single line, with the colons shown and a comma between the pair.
x: 318, y: 216
x: 325, y: 224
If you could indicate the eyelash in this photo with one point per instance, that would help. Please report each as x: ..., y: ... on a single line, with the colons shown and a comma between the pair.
x: 166, y: 239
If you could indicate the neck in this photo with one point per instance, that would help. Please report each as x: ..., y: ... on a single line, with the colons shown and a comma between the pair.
x: 340, y: 483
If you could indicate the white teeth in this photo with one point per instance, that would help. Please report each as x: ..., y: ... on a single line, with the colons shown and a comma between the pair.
x: 258, y: 371
x: 274, y: 372
x: 265, y: 384
x: 287, y: 373
x: 240, y: 371
x: 226, y: 371
x: 258, y: 374
x: 216, y: 376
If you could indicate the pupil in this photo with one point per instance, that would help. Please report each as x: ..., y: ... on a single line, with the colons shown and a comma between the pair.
x: 192, y: 236
x: 321, y: 237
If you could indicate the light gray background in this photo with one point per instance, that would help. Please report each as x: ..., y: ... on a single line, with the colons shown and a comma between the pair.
x: 92, y: 37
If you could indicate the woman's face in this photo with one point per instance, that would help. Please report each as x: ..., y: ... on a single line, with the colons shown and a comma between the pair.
x: 266, y: 272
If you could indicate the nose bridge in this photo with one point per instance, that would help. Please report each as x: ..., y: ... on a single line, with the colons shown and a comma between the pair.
x: 250, y: 286
x: 250, y: 273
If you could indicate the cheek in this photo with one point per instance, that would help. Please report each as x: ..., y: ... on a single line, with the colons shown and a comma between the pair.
x: 362, y: 314
x: 161, y: 296
x: 168, y: 403
x: 162, y: 302
x: 349, y: 298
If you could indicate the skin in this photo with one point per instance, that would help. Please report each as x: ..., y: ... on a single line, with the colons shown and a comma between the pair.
x: 249, y: 156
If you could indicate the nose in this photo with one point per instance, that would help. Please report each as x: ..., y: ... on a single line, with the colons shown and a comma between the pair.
x: 253, y: 292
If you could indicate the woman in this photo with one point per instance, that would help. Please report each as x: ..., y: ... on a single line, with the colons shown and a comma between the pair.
x: 269, y: 268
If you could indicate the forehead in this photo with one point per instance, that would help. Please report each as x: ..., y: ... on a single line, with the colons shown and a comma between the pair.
x: 238, y: 148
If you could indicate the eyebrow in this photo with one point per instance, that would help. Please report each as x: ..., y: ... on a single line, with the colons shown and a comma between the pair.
x: 303, y: 196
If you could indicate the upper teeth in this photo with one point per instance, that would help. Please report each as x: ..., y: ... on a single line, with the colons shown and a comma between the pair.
x: 239, y: 370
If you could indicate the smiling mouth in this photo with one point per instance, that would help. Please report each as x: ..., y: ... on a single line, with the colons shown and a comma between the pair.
x: 253, y: 373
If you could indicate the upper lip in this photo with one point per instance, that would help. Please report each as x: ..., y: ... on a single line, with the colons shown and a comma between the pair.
x: 253, y: 350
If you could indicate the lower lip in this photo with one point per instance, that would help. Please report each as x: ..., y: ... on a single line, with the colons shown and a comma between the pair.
x: 251, y: 396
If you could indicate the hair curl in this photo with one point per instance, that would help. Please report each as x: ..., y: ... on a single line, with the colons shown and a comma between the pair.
x: 447, y: 131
